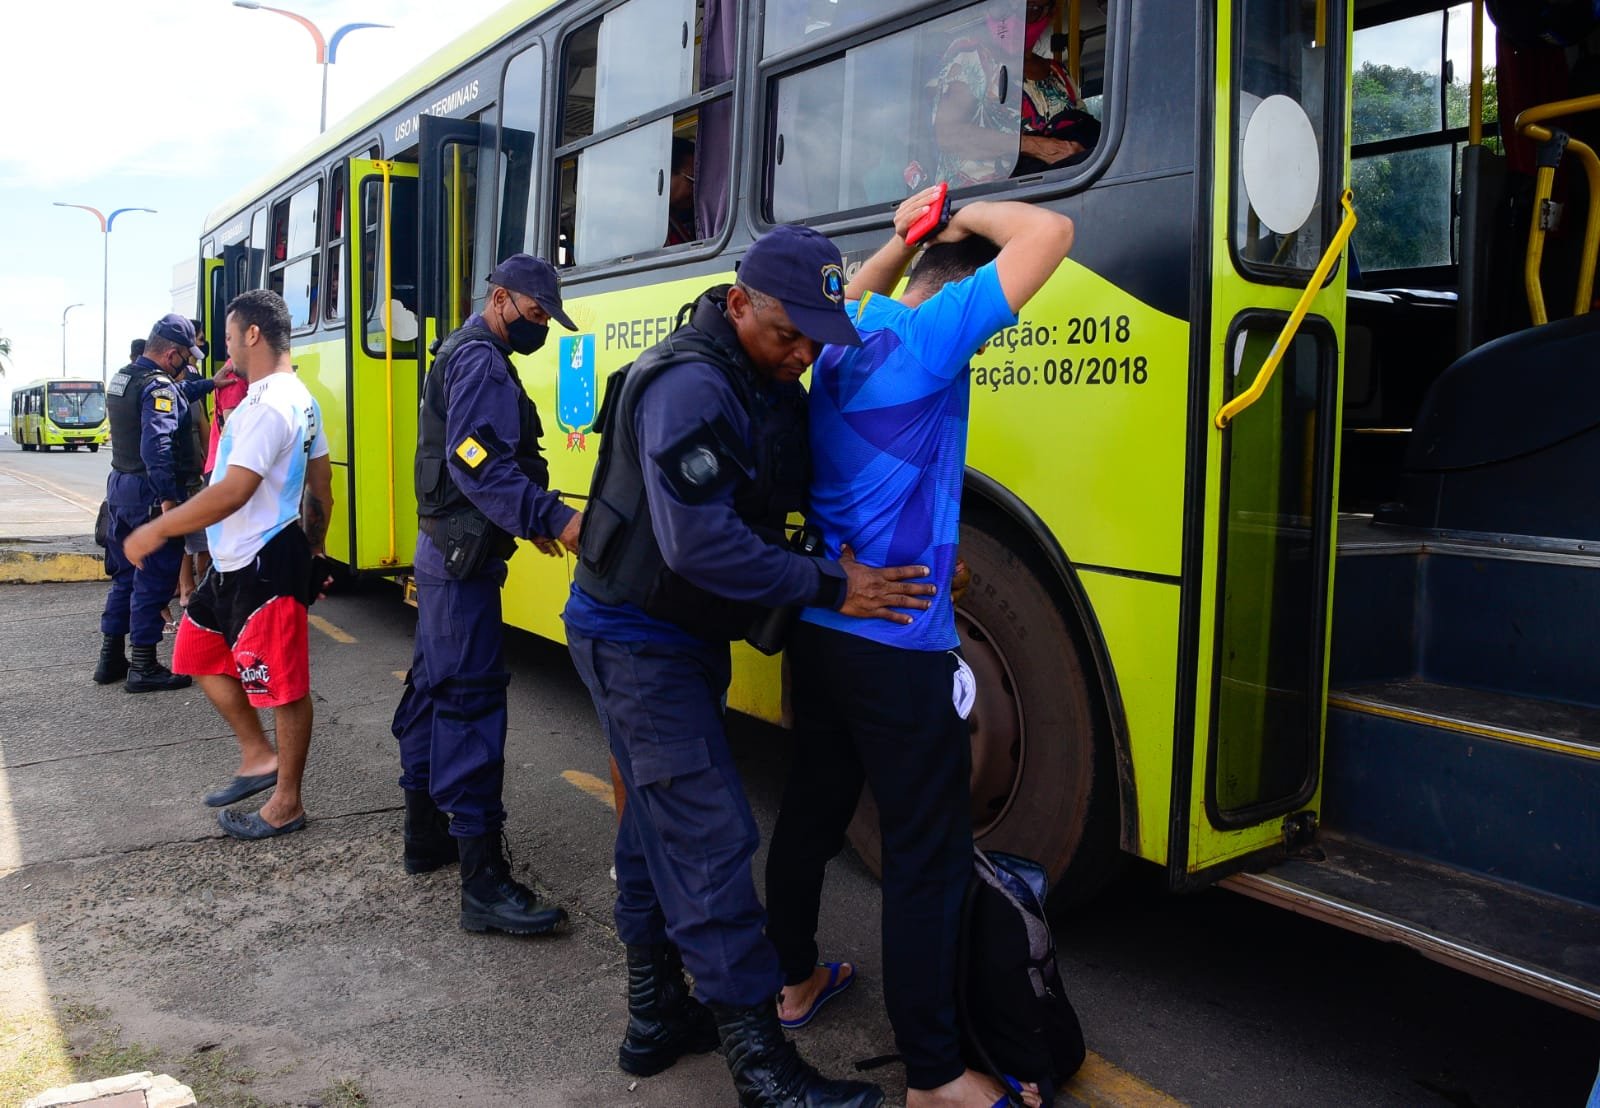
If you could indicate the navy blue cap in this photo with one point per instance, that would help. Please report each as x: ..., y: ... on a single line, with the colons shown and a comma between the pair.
x: 536, y: 278
x: 178, y: 329
x: 802, y: 270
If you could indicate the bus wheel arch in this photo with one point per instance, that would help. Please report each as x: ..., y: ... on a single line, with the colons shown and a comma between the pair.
x: 1051, y: 773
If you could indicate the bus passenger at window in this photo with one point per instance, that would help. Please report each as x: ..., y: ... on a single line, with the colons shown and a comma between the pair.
x: 974, y: 127
x: 680, y: 194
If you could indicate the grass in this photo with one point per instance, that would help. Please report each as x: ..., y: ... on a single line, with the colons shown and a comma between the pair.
x: 344, y: 1094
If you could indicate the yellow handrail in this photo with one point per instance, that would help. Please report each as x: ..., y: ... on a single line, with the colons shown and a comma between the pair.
x: 388, y: 348
x: 1292, y: 324
x: 1530, y: 125
x: 1475, y: 93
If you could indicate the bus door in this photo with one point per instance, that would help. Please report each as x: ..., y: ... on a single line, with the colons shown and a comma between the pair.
x: 1247, y: 774
x: 379, y: 529
x: 457, y: 215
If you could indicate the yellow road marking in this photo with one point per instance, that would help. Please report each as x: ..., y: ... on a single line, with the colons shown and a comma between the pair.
x: 589, y: 783
x: 400, y: 674
x: 1101, y: 1083
x: 330, y: 630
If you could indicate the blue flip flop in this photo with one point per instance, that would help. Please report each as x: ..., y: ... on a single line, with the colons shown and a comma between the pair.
x: 250, y: 825
x: 833, y: 988
x: 1005, y: 1098
x: 241, y: 787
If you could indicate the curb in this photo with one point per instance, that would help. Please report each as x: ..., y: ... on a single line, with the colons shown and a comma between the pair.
x: 29, y: 567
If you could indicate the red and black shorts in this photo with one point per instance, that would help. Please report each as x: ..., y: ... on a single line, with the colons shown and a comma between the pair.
x: 250, y: 624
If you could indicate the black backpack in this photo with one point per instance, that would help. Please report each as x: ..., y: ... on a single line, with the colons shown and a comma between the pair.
x: 1015, y: 1017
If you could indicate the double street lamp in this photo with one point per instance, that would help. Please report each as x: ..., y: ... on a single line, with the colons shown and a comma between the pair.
x: 106, y: 223
x: 327, y: 49
x: 64, y: 312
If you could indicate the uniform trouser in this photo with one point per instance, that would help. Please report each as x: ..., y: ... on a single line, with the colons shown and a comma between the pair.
x: 882, y: 714
x: 133, y: 606
x: 687, y: 836
x: 451, y: 722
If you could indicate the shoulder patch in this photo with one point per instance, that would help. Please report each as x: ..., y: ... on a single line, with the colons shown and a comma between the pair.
x: 472, y: 452
x: 161, y: 403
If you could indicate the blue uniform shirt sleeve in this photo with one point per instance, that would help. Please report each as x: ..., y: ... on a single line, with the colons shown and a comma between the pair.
x: 482, y: 432
x: 160, y: 406
x: 196, y: 387
x: 707, y: 543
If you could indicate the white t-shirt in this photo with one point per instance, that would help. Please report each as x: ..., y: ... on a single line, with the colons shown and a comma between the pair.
x: 273, y: 432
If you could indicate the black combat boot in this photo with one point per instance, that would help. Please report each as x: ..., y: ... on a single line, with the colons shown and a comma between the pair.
x: 664, y: 1021
x: 768, y: 1071
x: 113, y: 664
x: 492, y: 899
x: 429, y: 844
x: 146, y: 674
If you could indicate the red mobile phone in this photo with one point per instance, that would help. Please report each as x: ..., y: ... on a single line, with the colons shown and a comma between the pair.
x: 932, y: 220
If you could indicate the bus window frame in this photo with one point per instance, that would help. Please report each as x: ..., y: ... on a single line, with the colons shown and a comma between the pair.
x: 1334, y: 169
x: 312, y: 175
x: 1324, y: 536
x: 1032, y: 188
x: 337, y: 201
x: 536, y: 223
x: 555, y: 112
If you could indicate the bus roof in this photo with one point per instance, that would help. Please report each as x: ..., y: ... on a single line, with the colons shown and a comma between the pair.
x: 431, y: 69
x: 43, y: 381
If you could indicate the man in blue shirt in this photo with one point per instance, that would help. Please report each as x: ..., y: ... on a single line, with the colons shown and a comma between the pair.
x: 703, y: 456
x: 878, y: 701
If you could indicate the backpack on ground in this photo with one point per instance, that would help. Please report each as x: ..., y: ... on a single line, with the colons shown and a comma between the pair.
x: 1015, y: 1017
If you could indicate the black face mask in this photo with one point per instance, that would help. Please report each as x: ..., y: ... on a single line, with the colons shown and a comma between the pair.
x: 525, y: 336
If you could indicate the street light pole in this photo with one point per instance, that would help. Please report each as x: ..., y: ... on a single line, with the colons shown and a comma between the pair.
x: 327, y: 49
x: 64, y: 312
x: 106, y: 223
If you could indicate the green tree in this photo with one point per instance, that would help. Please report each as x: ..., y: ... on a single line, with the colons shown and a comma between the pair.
x: 5, y: 354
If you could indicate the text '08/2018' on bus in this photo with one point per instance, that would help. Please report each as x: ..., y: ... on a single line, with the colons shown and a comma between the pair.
x: 1253, y: 522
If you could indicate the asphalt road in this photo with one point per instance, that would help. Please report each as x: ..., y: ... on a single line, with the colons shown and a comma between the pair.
x: 51, y: 493
x: 312, y: 960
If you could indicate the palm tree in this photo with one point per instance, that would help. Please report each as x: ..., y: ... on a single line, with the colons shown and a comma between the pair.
x: 5, y: 354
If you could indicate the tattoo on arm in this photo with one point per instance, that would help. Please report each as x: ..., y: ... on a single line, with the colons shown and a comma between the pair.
x: 316, y: 516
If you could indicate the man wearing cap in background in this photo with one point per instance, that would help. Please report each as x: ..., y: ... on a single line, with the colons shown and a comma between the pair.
x: 481, y: 482
x: 704, y: 454
x: 145, y: 406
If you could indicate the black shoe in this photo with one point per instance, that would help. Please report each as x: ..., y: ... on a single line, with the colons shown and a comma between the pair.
x: 113, y: 664
x: 145, y: 674
x: 429, y: 845
x: 768, y: 1071
x: 664, y: 1021
x: 492, y: 900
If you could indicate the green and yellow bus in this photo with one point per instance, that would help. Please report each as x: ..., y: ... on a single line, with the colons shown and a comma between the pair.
x: 1284, y: 554
x: 60, y: 412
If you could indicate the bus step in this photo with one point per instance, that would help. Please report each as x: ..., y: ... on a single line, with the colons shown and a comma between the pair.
x: 1500, y: 785
x: 1546, y: 946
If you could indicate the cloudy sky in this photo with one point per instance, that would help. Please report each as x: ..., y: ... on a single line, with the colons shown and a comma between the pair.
x: 199, y: 99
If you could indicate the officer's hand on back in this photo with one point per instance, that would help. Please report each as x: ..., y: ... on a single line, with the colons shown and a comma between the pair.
x: 569, y: 534
x: 874, y: 593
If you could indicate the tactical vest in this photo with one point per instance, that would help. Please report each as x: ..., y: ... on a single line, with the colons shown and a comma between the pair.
x: 438, y: 494
x: 123, y: 397
x: 619, y: 559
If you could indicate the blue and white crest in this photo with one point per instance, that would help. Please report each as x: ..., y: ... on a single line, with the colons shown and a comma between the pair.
x: 575, y: 384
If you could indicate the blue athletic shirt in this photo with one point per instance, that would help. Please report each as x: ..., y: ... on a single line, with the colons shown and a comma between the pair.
x: 889, y: 443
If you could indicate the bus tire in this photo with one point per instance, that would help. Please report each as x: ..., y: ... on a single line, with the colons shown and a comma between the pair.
x: 1044, y: 783
x: 94, y: 448
x: 71, y: 446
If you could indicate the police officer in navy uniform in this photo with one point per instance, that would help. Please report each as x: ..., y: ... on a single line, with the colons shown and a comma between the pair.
x: 480, y: 479
x: 145, y: 405
x: 704, y: 453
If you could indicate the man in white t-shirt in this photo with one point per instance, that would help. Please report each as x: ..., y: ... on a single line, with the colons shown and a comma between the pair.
x: 266, y: 512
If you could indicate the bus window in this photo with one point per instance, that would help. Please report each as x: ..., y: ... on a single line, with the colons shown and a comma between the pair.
x: 402, y: 270
x: 522, y: 102
x: 940, y: 101
x: 294, y: 270
x: 334, y: 309
x: 1283, y: 112
x: 629, y: 194
x: 1409, y: 97
x: 255, y: 274
x: 802, y: 22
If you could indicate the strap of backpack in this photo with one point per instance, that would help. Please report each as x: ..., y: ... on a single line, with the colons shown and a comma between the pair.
x: 963, y: 1010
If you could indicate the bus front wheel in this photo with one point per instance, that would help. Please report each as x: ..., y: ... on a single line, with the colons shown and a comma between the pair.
x: 94, y: 448
x: 1044, y: 782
